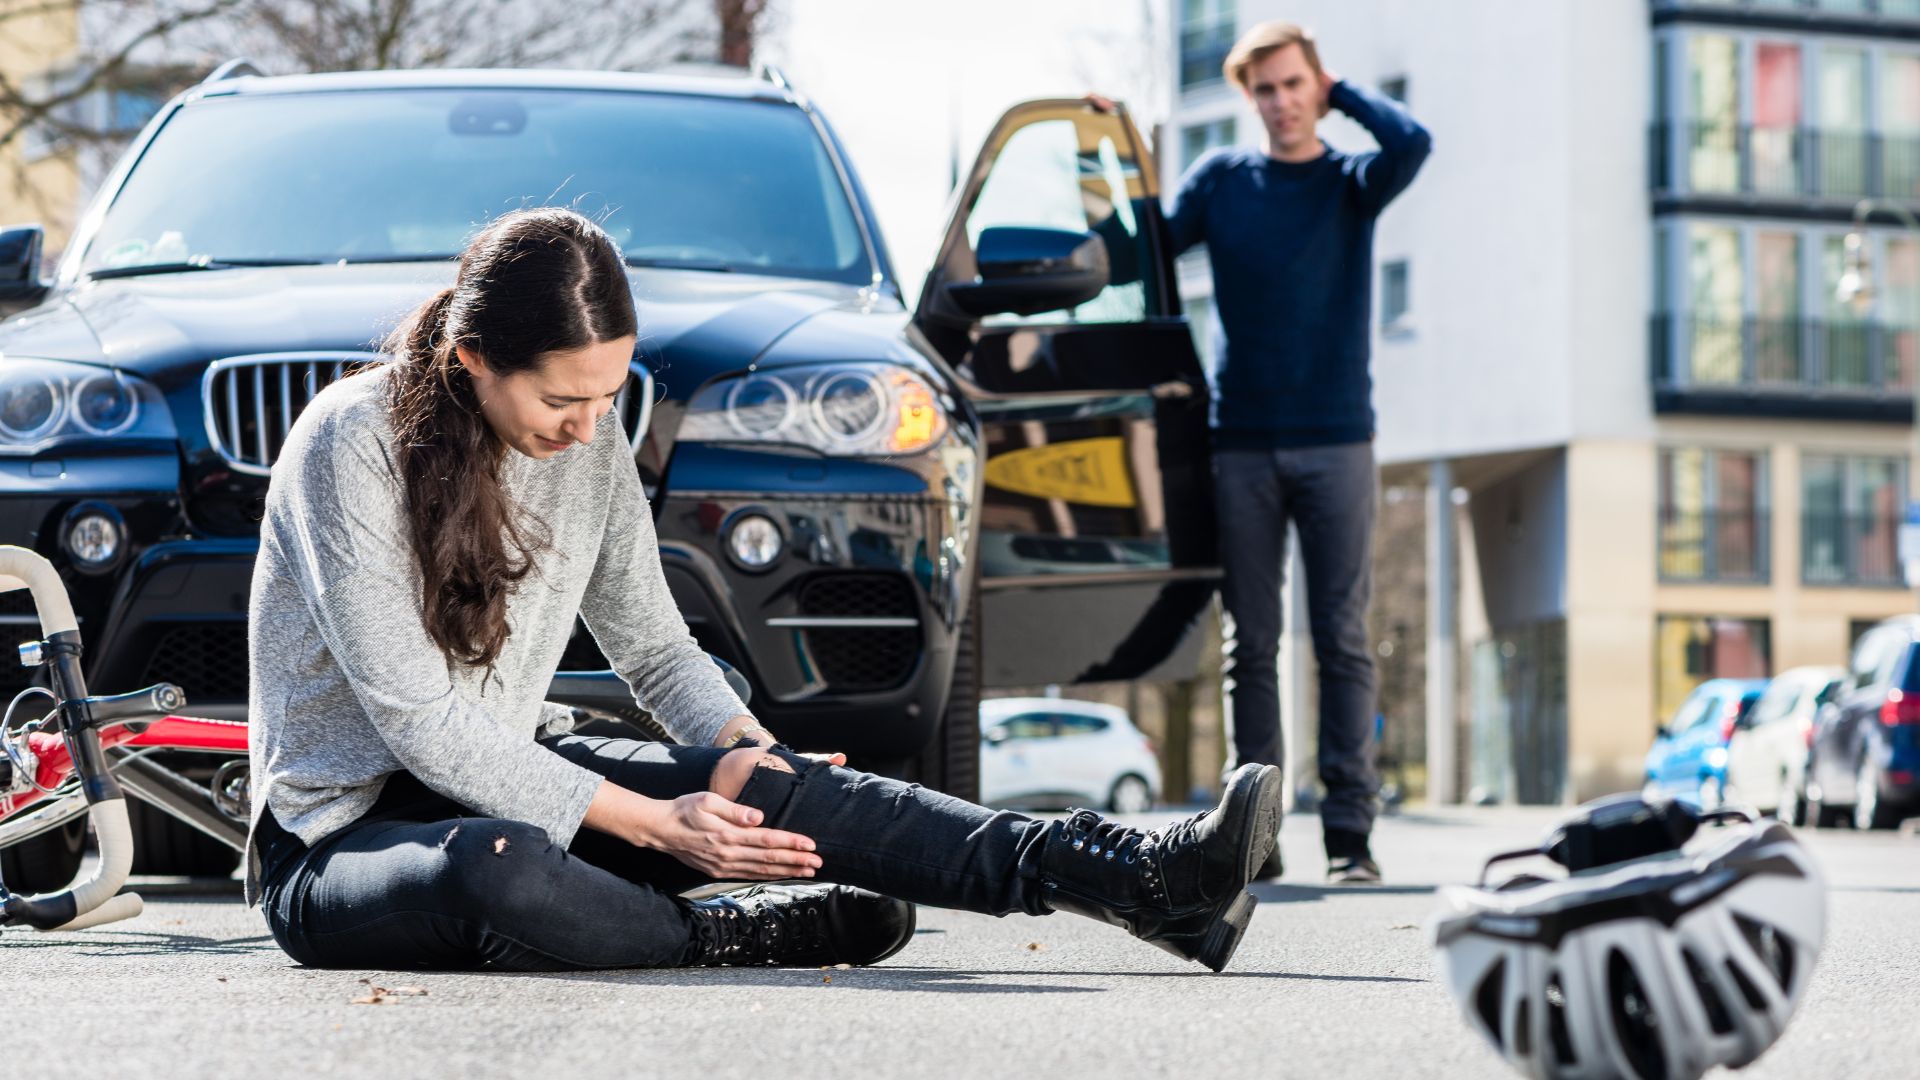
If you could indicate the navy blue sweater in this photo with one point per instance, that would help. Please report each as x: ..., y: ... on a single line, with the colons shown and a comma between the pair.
x: 1292, y: 252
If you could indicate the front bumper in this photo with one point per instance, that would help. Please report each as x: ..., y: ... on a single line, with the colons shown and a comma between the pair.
x: 848, y: 637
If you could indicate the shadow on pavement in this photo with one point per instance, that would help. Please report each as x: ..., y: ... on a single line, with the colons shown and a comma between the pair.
x: 1270, y: 892
x: 935, y: 980
x: 123, y: 943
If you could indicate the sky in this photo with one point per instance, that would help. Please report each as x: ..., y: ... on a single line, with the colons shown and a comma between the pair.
x: 901, y: 80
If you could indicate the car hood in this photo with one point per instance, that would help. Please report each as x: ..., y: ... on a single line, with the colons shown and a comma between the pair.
x: 693, y: 325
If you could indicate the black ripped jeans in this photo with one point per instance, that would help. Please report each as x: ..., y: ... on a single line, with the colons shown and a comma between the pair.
x: 422, y: 882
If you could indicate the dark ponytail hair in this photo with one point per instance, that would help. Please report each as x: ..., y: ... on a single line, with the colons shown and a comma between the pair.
x: 531, y: 283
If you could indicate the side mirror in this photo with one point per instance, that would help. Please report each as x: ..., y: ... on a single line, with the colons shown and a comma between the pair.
x: 20, y: 247
x: 1660, y: 731
x: 1025, y: 271
x: 994, y: 736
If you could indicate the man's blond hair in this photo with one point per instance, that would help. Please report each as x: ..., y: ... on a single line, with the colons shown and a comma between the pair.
x: 1263, y: 40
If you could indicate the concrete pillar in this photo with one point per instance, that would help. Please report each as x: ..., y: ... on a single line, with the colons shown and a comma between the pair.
x: 1442, y: 640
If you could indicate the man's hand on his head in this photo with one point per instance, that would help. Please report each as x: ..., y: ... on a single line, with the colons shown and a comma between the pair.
x: 1327, y: 79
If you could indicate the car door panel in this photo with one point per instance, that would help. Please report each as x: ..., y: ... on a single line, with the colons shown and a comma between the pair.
x: 1096, y: 507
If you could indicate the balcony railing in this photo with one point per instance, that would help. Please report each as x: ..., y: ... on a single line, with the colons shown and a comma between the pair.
x: 1709, y: 159
x: 1203, y: 49
x: 1860, y: 363
x: 1718, y: 545
x: 1906, y: 10
x: 1850, y: 549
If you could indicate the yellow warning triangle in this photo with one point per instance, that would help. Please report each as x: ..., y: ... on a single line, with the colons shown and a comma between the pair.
x: 1092, y: 472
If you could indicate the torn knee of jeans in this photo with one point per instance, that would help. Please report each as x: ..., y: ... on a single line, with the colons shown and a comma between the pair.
x: 451, y: 833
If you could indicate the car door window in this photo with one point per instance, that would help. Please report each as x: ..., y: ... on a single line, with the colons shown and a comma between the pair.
x: 1777, y: 702
x: 1710, y: 708
x: 1892, y: 663
x: 1076, y: 724
x: 1028, y: 726
x: 1076, y: 172
x: 1869, y: 656
x: 1690, y: 712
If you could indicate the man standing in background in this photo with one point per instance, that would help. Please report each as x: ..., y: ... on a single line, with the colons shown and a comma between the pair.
x: 1289, y: 231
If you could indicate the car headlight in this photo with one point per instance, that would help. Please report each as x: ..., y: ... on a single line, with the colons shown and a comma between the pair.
x: 43, y: 402
x: 854, y: 410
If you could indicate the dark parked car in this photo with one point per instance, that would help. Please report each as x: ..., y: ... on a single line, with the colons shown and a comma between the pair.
x: 1864, y: 767
x: 868, y: 509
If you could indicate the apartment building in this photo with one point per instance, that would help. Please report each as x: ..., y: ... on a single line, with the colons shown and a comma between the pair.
x: 1613, y: 320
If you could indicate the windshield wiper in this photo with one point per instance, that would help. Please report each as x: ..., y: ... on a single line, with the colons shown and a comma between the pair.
x: 715, y: 265
x: 189, y: 265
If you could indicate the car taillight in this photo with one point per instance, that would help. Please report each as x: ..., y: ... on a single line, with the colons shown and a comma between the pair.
x: 1728, y: 721
x: 1900, y: 708
x: 1806, y: 731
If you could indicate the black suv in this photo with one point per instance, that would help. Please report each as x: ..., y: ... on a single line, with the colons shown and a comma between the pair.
x: 867, y: 510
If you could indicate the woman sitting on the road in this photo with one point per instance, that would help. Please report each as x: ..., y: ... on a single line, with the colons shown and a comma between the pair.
x: 433, y: 526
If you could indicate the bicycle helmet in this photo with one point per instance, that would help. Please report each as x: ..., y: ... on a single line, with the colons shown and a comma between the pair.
x: 1647, y: 960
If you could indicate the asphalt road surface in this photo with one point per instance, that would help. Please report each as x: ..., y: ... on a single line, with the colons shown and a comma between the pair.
x: 1329, y: 983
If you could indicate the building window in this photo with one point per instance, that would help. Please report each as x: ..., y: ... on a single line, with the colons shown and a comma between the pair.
x: 1774, y: 139
x: 1206, y: 36
x: 1713, y: 515
x: 1395, y: 297
x: 1689, y: 650
x: 1752, y: 113
x: 1758, y: 306
x: 1842, y: 135
x: 1850, y: 519
x: 1713, y: 109
x: 1395, y: 88
x: 1900, y: 124
x: 1197, y: 139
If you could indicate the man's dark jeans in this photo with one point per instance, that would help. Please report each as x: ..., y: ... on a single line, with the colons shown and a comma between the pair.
x: 1327, y: 493
x: 423, y: 882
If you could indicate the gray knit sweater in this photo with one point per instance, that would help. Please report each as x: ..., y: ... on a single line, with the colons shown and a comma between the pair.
x: 348, y: 688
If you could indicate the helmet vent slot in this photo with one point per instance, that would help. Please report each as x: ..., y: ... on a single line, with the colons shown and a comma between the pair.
x: 1635, y: 1023
x: 1486, y: 999
x: 1747, y: 989
x: 1557, y: 1021
x: 1772, y: 947
x: 1717, y: 1015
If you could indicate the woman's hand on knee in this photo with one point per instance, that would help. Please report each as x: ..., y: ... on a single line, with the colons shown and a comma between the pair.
x: 724, y: 840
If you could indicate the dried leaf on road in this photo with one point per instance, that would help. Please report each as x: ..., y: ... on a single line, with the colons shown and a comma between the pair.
x: 1034, y: 946
x: 380, y: 995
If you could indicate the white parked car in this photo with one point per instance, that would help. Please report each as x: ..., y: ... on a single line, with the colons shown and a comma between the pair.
x: 1767, y: 757
x: 1052, y: 752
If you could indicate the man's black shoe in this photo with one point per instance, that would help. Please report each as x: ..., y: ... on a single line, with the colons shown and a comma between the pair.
x: 1181, y: 888
x: 1352, y: 871
x: 799, y: 926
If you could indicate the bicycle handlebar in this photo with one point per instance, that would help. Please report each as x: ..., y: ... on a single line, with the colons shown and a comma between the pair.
x: 23, y: 569
x: 96, y: 899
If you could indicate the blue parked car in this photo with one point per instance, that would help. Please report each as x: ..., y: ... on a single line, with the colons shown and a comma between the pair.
x: 1689, y: 754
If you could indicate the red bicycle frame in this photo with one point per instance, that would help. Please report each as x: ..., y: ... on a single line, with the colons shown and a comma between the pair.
x: 168, y: 733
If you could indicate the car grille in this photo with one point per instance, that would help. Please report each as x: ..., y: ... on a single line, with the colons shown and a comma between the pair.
x: 855, y: 658
x: 251, y: 402
x: 206, y: 660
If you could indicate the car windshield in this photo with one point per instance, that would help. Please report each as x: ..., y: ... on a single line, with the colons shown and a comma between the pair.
x: 399, y: 175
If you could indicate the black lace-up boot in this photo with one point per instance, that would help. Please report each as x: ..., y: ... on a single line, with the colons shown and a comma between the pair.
x: 799, y: 926
x: 1182, y: 887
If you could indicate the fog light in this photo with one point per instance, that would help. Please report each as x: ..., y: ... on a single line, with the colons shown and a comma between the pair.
x: 754, y: 541
x: 94, y: 537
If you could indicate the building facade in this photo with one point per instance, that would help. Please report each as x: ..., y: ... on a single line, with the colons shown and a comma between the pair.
x: 1610, y: 319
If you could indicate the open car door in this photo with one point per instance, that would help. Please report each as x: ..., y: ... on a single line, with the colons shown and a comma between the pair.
x: 1053, y: 301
